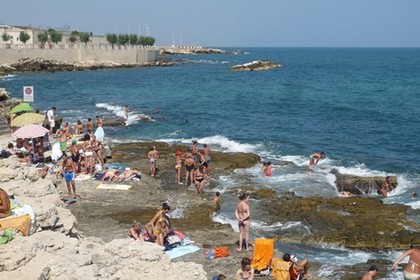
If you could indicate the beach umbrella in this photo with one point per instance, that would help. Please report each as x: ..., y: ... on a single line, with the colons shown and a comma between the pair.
x: 30, y: 131
x: 22, y: 107
x: 27, y: 118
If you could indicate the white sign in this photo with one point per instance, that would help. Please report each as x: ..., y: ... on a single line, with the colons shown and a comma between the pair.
x: 28, y: 94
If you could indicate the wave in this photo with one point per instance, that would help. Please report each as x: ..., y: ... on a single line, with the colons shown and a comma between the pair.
x: 117, y: 110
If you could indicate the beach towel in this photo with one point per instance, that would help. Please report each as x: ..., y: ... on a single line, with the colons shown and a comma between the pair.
x: 113, y: 187
x: 22, y: 223
x: 100, y: 134
x: 281, y: 269
x: 82, y: 177
x: 263, y: 253
x: 181, y: 251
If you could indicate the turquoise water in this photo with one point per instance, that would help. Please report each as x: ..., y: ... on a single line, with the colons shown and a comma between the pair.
x: 360, y: 106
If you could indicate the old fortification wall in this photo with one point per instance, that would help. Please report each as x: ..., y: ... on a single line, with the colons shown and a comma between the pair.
x: 126, y: 56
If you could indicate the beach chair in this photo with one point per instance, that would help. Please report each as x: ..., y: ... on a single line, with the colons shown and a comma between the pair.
x: 263, y: 253
x: 22, y: 223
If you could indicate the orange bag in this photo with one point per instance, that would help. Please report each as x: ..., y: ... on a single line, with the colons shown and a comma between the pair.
x: 221, y: 252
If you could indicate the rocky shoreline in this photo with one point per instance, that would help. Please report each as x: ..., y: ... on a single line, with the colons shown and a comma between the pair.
x: 47, y: 65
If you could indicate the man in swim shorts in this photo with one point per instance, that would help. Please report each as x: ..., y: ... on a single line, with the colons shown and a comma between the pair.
x: 315, y: 157
x: 412, y: 270
x: 153, y: 155
x: 51, y: 119
x: 69, y: 169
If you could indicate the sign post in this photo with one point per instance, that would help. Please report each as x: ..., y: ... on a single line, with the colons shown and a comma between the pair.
x: 28, y: 93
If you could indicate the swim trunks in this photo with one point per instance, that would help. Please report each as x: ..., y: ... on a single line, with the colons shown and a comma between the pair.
x: 208, y: 159
x: 268, y: 173
x: 152, y: 161
x: 69, y: 176
x: 189, y: 167
x: 63, y: 146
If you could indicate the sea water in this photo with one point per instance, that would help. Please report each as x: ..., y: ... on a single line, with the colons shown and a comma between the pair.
x: 359, y: 105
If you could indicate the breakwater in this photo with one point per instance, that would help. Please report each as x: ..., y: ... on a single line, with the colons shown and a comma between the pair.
x: 83, y: 54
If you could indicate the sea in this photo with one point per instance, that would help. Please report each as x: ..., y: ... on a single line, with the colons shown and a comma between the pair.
x: 361, y: 106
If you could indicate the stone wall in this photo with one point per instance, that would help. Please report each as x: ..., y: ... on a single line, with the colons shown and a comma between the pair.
x: 126, y: 56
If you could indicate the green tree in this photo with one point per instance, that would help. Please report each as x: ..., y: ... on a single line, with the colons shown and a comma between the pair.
x: 6, y: 37
x: 43, y: 38
x: 72, y: 39
x: 146, y: 41
x: 73, y: 36
x: 112, y: 38
x: 84, y: 37
x: 55, y: 36
x: 122, y: 39
x: 24, y: 37
x: 132, y: 39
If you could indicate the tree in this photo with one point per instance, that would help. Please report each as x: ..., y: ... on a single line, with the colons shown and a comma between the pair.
x: 55, y: 36
x: 73, y: 36
x: 6, y: 37
x: 146, y: 41
x: 132, y: 39
x: 43, y: 38
x: 24, y: 37
x: 112, y: 38
x: 122, y: 39
x: 84, y: 37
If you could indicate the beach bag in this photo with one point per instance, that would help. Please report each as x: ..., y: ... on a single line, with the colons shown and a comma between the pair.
x: 221, y: 252
x: 280, y: 269
x: 171, y: 241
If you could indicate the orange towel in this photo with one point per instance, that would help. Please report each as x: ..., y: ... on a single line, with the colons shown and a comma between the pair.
x: 21, y: 223
x: 263, y: 253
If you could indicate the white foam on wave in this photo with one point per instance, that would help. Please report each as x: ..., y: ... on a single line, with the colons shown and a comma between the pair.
x: 225, y: 144
x: 117, y: 110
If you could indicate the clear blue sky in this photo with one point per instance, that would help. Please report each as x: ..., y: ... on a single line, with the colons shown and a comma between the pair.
x: 233, y: 23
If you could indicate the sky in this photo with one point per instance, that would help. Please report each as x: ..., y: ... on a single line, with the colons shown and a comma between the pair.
x: 231, y: 23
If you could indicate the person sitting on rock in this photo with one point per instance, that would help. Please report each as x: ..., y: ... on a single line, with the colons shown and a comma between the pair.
x: 386, y: 187
x: 246, y: 271
x: 137, y: 233
x: 4, y: 204
x: 296, y: 267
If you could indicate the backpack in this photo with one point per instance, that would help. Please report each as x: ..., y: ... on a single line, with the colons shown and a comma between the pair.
x: 280, y: 269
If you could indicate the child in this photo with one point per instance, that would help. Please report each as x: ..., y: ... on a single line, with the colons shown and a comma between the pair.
x: 217, y: 198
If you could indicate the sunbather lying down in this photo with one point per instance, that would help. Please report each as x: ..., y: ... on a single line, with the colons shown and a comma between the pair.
x: 117, y: 175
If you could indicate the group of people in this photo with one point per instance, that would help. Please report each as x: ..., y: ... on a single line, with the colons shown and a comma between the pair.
x: 197, y: 166
x: 158, y: 230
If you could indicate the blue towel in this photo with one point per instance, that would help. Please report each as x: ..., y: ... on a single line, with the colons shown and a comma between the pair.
x: 181, y: 251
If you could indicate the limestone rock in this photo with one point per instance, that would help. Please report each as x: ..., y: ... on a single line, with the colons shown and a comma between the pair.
x: 360, y: 185
x: 256, y: 65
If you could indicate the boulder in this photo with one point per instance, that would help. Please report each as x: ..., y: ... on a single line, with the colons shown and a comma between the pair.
x: 256, y: 65
x: 360, y: 185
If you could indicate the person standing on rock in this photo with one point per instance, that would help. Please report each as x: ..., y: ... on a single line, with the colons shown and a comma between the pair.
x: 207, y: 155
x: 153, y: 155
x: 69, y: 168
x: 243, y: 214
x: 371, y: 274
x: 412, y: 270
x: 51, y: 119
x: 386, y: 187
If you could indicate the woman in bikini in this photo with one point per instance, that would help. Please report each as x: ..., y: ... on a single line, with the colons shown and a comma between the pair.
x: 246, y: 272
x: 88, y: 153
x: 178, y: 166
x: 412, y: 270
x: 199, y: 180
x: 243, y: 214
x: 78, y: 128
x: 97, y: 151
x: 159, y: 226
